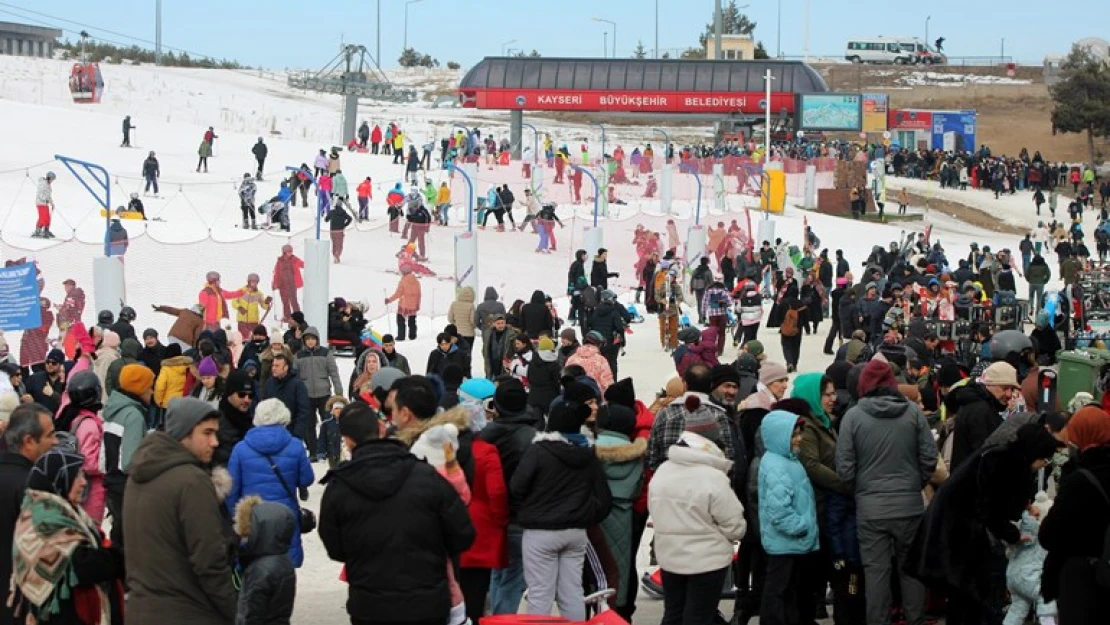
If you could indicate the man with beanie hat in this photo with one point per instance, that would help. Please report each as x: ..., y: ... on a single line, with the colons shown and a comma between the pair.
x: 179, y: 570
x: 561, y: 491
x: 887, y: 454
x: 511, y: 430
x: 153, y: 352
x: 568, y: 345
x: 124, y: 427
x: 979, y: 407
x: 47, y: 386
x: 236, y: 414
x: 696, y: 404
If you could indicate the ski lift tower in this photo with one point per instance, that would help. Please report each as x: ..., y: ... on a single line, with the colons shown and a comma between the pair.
x: 352, y: 74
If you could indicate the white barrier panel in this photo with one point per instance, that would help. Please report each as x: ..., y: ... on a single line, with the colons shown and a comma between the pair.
x: 878, y: 181
x: 466, y: 260
x: 666, y: 188
x: 317, y: 268
x: 603, y: 192
x: 593, y: 239
x: 811, y: 187
x: 537, y: 182
x: 109, y: 284
x: 719, y: 187
x: 766, y: 230
x: 696, y: 239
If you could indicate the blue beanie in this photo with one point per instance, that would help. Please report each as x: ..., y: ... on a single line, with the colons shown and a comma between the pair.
x: 477, y: 388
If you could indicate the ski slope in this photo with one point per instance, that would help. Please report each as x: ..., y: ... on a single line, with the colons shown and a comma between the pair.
x: 198, y: 228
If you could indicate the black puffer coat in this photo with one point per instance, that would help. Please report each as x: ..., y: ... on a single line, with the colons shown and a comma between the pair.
x: 397, y: 525
x: 560, y: 485
x: 536, y: 317
x: 977, y: 414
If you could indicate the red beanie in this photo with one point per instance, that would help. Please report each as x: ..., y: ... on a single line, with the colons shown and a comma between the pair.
x: 876, y: 374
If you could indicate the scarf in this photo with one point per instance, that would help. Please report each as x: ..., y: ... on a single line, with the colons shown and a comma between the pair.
x: 47, y: 532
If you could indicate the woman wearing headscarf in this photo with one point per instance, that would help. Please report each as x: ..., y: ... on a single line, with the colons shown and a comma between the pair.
x: 1074, y: 530
x: 62, y: 574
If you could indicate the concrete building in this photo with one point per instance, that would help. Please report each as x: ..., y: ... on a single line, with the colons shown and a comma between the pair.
x: 733, y: 47
x: 26, y: 40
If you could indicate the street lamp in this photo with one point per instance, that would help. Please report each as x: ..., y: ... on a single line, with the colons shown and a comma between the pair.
x: 655, y: 55
x: 505, y: 43
x: 614, y: 25
x: 927, y: 30
x: 406, y: 40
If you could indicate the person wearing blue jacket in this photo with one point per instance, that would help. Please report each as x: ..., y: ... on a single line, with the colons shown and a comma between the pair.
x: 787, y: 523
x: 271, y: 463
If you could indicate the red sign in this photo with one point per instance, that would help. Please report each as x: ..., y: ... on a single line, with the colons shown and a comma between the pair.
x: 626, y: 101
x: 907, y: 119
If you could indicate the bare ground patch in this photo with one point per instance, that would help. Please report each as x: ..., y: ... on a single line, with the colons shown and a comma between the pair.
x: 970, y: 215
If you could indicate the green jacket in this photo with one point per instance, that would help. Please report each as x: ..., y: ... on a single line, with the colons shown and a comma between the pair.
x: 1070, y: 269
x: 205, y: 149
x: 127, y: 415
x: 623, y: 463
x: 1038, y: 274
x: 818, y: 449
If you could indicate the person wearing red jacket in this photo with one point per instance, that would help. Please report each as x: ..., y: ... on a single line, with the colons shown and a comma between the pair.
x: 287, y: 279
x: 365, y: 192
x: 213, y: 300
x: 489, y: 512
x: 375, y: 139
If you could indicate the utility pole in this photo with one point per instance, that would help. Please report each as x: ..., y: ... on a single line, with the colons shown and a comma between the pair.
x: 718, y: 24
x: 805, y: 31
x: 378, y: 49
x: 778, y: 36
x: 157, y: 32
x: 655, y: 51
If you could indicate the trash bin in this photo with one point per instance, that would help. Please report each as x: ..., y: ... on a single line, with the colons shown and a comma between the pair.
x: 1079, y: 371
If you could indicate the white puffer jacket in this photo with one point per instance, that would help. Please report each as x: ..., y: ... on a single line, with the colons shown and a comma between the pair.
x: 44, y: 195
x: 697, y: 517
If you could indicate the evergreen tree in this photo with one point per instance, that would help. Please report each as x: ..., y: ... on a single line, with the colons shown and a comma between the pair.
x: 1082, y: 97
x: 733, y: 22
x: 639, y: 52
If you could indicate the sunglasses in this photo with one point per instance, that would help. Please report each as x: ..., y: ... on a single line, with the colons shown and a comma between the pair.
x: 51, y: 362
x: 244, y: 394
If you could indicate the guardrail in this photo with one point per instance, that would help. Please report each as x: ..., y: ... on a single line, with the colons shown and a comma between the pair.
x: 955, y: 61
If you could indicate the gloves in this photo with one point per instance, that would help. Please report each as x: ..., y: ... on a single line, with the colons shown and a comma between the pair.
x: 302, y: 493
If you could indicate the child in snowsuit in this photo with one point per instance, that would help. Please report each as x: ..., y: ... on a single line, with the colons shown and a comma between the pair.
x: 269, y: 579
x: 1023, y: 573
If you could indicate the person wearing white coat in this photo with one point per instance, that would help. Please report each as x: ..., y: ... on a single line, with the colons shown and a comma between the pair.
x: 697, y: 517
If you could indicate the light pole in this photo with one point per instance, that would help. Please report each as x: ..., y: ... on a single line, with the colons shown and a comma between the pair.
x: 1003, y: 51
x: 378, y: 49
x: 718, y: 25
x: 927, y: 18
x: 604, y: 44
x: 158, y: 32
x: 655, y: 52
x: 407, y: 5
x: 614, y: 25
x: 505, y: 43
x: 535, y: 142
x: 778, y: 36
x: 602, y: 127
x: 667, y: 145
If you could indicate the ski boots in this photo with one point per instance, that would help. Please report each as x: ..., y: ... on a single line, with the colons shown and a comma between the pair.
x: 46, y: 233
x: 37, y: 234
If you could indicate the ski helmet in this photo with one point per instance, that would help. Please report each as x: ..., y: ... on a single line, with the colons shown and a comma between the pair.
x: 127, y: 314
x: 1009, y: 345
x: 105, y: 318
x: 134, y: 196
x: 50, y: 175
x: 84, y: 389
x: 608, y: 296
x: 212, y: 276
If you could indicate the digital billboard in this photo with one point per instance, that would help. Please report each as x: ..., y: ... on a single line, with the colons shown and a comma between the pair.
x: 831, y: 112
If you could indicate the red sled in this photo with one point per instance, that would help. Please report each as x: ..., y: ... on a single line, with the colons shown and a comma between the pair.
x: 353, y: 146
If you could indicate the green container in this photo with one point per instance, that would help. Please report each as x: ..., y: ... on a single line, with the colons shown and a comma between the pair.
x: 1078, y: 372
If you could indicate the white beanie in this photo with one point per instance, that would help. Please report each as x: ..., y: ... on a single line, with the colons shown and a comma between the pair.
x: 271, y: 412
x: 9, y: 401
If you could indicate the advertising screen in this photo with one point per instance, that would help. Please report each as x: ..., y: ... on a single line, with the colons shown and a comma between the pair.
x: 833, y: 112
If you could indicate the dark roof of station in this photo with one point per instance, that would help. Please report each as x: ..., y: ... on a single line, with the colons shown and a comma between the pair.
x: 641, y: 75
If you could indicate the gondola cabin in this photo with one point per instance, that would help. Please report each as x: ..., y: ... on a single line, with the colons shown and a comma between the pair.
x: 86, y: 83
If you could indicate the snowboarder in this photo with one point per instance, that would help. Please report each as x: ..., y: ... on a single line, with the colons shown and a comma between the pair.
x: 44, y: 202
x: 287, y: 279
x: 127, y: 126
x: 260, y: 151
x: 151, y: 173
x: 247, y: 190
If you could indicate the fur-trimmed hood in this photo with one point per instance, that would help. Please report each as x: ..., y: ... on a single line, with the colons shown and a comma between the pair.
x: 266, y: 527
x: 608, y: 451
x: 458, y: 416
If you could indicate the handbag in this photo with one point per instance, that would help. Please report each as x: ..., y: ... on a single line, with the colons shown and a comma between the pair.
x: 307, y: 517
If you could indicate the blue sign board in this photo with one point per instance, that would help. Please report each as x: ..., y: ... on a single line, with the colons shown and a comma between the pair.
x: 19, y: 298
x: 954, y: 131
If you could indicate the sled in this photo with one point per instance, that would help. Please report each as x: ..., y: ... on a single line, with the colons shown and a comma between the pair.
x: 122, y: 214
x: 343, y: 348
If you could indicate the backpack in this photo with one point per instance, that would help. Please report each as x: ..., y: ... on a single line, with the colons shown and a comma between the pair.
x: 589, y: 297
x: 1100, y: 564
x: 698, y: 281
x: 789, y: 326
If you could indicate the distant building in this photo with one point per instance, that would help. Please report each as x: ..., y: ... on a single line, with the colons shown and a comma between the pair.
x: 733, y: 47
x: 27, y: 40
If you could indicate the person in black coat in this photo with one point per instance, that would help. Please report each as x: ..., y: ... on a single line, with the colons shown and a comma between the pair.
x: 960, y: 545
x: 576, y: 281
x: 287, y: 386
x: 977, y: 414
x: 728, y: 272
x: 1074, y: 530
x: 52, y: 377
x: 544, y: 373
x: 599, y: 273
x: 536, y: 317
x: 446, y: 353
x: 394, y: 522
x: 154, y: 352
x: 253, y: 347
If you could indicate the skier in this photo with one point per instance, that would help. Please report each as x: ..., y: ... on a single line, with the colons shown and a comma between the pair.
x: 151, y: 173
x: 321, y: 163
x: 127, y: 132
x: 443, y: 202
x: 376, y: 139
x: 247, y: 190
x: 395, y: 199
x: 260, y: 151
x: 419, y: 222
x: 136, y: 206
x: 44, y: 202
x: 365, y: 192
x: 340, y: 195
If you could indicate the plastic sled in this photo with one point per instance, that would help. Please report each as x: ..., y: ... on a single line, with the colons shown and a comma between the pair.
x: 523, y: 619
x: 684, y: 321
x: 342, y: 347
x: 636, y: 316
x: 122, y: 214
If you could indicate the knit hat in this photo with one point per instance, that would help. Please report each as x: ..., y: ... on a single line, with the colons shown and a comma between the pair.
x: 208, y: 368
x: 184, y: 413
x: 135, y: 379
x: 111, y: 339
x: 385, y: 378
x: 56, y: 355
x: 1090, y: 427
x: 1000, y: 374
x: 579, y: 391
x: 9, y: 401
x: 569, y: 334
x: 510, y: 398
x: 173, y: 350
x: 271, y: 412
x: 724, y: 373
x: 700, y: 422
x: 876, y: 374
x: 55, y: 471
x: 753, y: 347
x: 476, y: 389
x: 150, y: 333
x: 772, y: 372
x: 949, y: 373
x: 545, y: 348
x: 622, y: 393
x: 617, y: 418
x: 567, y: 417
x: 298, y: 317
x: 239, y: 381
x: 838, y: 373
x: 429, y: 447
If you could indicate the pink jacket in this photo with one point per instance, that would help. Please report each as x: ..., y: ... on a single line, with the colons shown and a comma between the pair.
x: 596, y: 366
x: 89, y: 430
x: 408, y: 295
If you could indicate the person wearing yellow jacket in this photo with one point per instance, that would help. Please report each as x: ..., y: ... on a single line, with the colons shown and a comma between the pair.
x: 250, y: 305
x: 174, y: 377
x: 443, y: 202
